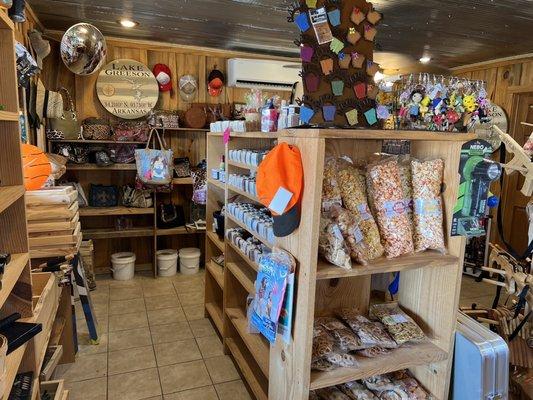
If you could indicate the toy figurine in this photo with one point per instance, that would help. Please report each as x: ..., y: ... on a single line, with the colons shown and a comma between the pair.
x: 424, y: 105
x: 414, y: 105
x: 469, y: 103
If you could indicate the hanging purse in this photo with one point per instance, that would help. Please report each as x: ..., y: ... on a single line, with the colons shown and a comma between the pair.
x: 170, y: 216
x: 154, y: 167
x: 96, y: 129
x: 49, y: 104
x: 67, y: 125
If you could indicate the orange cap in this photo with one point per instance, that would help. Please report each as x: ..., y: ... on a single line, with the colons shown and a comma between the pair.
x: 282, y: 169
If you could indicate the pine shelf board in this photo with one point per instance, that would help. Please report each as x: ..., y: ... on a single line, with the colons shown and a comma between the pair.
x: 251, y: 263
x: 215, y: 312
x: 218, y: 184
x: 246, y: 371
x: 11, y: 274
x: 246, y: 282
x: 13, y: 361
x: 249, y: 135
x: 92, y: 167
x: 253, y: 233
x: 9, y: 195
x: 9, y: 116
x: 185, y: 129
x: 258, y: 346
x: 213, y: 237
x: 325, y: 270
x: 103, y: 211
x: 82, y: 141
x: 243, y: 193
x: 112, y: 233
x: 180, y: 230
x: 407, y: 356
x: 182, y: 181
x: 241, y: 165
x: 217, y: 272
x: 374, y: 134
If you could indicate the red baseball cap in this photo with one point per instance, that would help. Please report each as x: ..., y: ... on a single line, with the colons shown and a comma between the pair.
x: 163, y: 76
x: 215, y: 82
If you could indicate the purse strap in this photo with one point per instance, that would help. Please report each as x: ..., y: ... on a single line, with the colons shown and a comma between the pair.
x: 162, y: 142
x: 69, y: 101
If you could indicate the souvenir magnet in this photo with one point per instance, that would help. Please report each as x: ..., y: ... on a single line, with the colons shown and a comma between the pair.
x: 312, y: 82
x: 357, y: 16
x: 334, y: 17
x: 382, y: 112
x: 374, y: 17
x: 319, y: 19
x: 360, y: 90
x: 327, y: 66
x: 371, y: 68
x: 311, y: 3
x: 371, y: 116
x: 358, y: 60
x: 306, y: 53
x: 336, y: 45
x: 352, y: 117
x: 353, y: 36
x: 337, y: 87
x: 370, y: 32
x: 329, y: 112
x: 302, y: 22
x: 344, y: 60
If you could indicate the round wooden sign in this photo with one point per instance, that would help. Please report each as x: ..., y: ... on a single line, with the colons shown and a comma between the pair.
x: 127, y: 89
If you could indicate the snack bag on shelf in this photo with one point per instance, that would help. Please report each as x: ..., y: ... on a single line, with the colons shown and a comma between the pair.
x: 331, y: 393
x: 355, y: 390
x: 352, y: 186
x: 405, y: 381
x: 384, y: 388
x: 341, y: 359
x: 345, y: 339
x: 428, y: 214
x: 372, y: 352
x: 404, y: 166
x: 323, y: 343
x: 348, y: 223
x: 371, y: 333
x: 401, y: 326
x: 331, y: 244
x: 391, y: 214
x: 331, y: 194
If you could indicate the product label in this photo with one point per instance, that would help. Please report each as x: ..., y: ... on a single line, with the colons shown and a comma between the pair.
x: 394, y: 208
x: 319, y: 19
x: 357, y: 234
x: 428, y: 207
x: 337, y: 232
x: 364, y: 211
x: 395, y: 319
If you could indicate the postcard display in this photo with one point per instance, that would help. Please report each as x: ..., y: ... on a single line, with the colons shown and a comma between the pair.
x: 336, y: 48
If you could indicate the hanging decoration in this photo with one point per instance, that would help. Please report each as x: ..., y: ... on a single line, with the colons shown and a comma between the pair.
x: 83, y: 49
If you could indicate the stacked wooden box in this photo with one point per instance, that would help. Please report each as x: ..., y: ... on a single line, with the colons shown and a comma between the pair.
x: 53, y: 222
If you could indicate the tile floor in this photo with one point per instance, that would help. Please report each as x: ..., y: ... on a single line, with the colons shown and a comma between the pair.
x: 480, y: 293
x: 155, y: 344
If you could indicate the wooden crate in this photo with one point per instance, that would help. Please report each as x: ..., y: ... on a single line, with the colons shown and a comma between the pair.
x: 54, y: 388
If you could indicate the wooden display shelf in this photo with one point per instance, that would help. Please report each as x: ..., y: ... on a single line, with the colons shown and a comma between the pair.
x: 247, y: 372
x: 218, y: 184
x: 373, y: 134
x: 112, y: 233
x: 182, y: 181
x: 251, y: 263
x: 263, y: 240
x: 325, y: 270
x: 13, y: 361
x: 82, y: 141
x: 258, y: 346
x: 10, y: 194
x: 241, y: 165
x: 185, y: 129
x: 405, y: 357
x: 11, y: 274
x: 9, y: 116
x: 92, y: 167
x: 104, y: 211
x: 216, y: 271
x: 242, y: 276
x: 213, y: 237
x: 180, y: 230
x: 243, y: 193
x: 215, y: 312
x: 249, y: 135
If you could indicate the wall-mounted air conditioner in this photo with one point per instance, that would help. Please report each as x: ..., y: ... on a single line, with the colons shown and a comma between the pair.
x: 263, y: 74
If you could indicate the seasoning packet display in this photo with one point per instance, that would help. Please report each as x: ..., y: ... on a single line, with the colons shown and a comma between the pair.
x: 372, y: 352
x: 331, y: 393
x: 352, y: 185
x: 331, y: 244
x: 371, y: 333
x: 356, y: 391
x: 349, y: 226
x: 340, y: 359
x: 331, y: 194
x: 401, y: 326
x: 345, y: 339
x: 393, y: 222
x: 322, y: 365
x: 323, y: 342
x: 410, y: 385
x: 428, y: 216
x: 404, y: 168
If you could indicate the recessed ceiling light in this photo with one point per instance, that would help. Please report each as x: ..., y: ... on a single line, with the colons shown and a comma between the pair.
x: 128, y: 23
x: 425, y: 59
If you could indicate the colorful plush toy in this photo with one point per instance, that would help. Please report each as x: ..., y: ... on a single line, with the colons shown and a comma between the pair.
x: 469, y: 103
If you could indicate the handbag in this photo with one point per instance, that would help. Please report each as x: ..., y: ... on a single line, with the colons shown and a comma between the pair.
x: 68, y: 124
x: 103, y: 196
x: 137, y: 198
x: 75, y: 153
x: 154, y: 167
x: 131, y: 131
x: 49, y: 104
x: 170, y: 216
x: 96, y: 129
x: 122, y: 153
x: 167, y: 119
x: 182, y: 167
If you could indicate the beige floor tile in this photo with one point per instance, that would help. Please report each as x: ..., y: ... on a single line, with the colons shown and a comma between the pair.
x: 159, y: 282
x: 102, y: 322
x: 92, y: 389
x: 129, y: 339
x: 200, y: 276
x: 133, y: 283
x: 170, y: 332
x: 192, y: 298
x: 85, y: 347
x: 210, y: 346
x: 86, y: 367
x: 126, y: 322
x: 126, y: 293
x: 177, y: 352
x: 232, y: 391
x: 194, y: 285
x: 166, y: 316
x: 179, y: 377
x: 221, y: 369
x: 151, y: 291
x: 202, y: 328
x: 204, y: 393
x: 194, y: 312
x: 131, y: 360
x: 160, y: 302
x: 134, y: 385
x: 101, y: 309
x: 127, y: 306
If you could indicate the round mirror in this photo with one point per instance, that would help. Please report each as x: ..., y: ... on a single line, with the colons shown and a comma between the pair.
x: 83, y: 49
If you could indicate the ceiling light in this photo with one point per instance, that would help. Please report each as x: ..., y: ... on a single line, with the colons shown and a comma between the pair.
x: 128, y: 23
x: 378, y: 77
x: 425, y: 59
